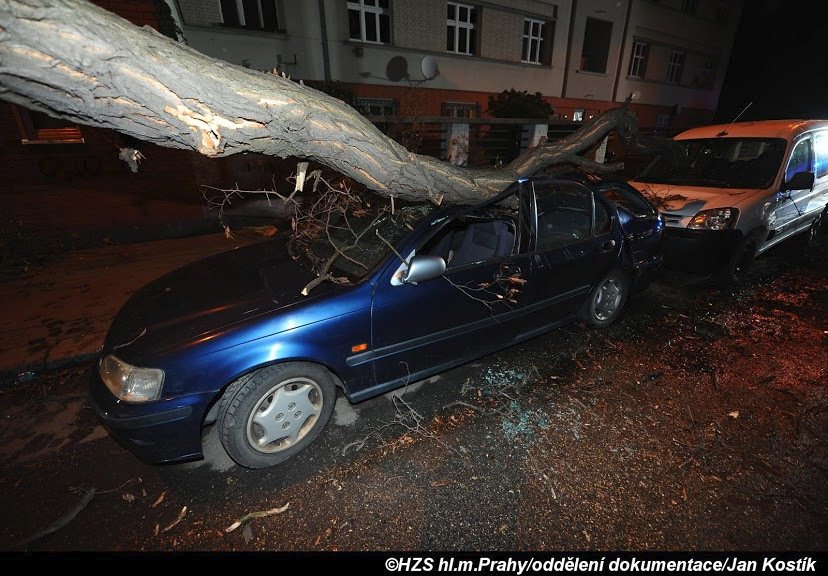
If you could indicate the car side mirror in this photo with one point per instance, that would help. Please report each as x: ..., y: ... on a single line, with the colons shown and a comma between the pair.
x: 799, y: 181
x: 423, y: 268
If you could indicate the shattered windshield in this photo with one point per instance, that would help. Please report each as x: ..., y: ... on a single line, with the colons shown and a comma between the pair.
x: 359, y: 244
x: 720, y: 163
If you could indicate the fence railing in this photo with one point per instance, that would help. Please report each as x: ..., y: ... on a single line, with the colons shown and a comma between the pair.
x: 477, y: 141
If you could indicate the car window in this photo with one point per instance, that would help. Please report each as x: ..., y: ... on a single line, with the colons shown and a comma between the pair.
x: 472, y: 239
x: 801, y: 159
x: 622, y: 196
x: 564, y: 214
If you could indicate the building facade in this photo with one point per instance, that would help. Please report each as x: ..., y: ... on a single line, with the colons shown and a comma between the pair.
x: 444, y: 58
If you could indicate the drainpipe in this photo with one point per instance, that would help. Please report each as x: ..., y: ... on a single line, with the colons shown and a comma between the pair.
x: 621, y: 53
x: 326, y: 59
x: 572, y: 12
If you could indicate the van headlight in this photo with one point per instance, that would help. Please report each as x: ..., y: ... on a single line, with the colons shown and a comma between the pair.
x: 715, y: 219
x: 130, y: 383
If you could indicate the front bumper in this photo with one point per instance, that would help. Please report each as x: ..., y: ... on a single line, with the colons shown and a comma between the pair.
x: 163, y: 431
x: 698, y: 249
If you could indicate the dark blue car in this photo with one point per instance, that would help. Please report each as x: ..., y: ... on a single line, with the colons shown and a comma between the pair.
x: 232, y: 341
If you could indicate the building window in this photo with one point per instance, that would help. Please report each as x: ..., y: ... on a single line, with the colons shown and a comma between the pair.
x: 533, y: 45
x: 722, y: 12
x: 578, y: 115
x: 638, y: 61
x: 461, y: 110
x: 595, y: 52
x: 376, y: 106
x: 688, y: 6
x: 706, y: 72
x: 675, y: 67
x: 38, y: 128
x: 370, y: 21
x: 663, y: 119
x: 461, y: 36
x: 251, y: 14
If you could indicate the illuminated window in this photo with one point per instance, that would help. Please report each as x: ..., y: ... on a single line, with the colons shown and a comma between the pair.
x: 675, y: 67
x: 370, y: 21
x: 38, y: 128
x: 578, y: 116
x: 461, y: 35
x: 638, y: 60
x: 252, y: 14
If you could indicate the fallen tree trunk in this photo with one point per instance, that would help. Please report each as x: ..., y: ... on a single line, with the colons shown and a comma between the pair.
x: 73, y: 60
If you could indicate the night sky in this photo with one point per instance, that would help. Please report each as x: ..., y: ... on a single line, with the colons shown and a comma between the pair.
x: 777, y: 62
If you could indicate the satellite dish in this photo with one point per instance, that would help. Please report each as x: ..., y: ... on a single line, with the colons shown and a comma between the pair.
x: 396, y: 69
x: 429, y: 67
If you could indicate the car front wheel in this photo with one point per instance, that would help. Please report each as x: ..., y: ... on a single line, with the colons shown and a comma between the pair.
x: 605, y: 301
x: 270, y: 415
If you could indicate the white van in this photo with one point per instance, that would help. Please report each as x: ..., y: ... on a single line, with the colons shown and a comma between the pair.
x: 739, y: 189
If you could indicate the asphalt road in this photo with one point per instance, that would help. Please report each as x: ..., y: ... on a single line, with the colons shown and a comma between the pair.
x: 698, y: 422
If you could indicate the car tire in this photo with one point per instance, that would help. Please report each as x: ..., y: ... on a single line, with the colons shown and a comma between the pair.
x: 738, y: 263
x: 272, y: 414
x: 606, y: 300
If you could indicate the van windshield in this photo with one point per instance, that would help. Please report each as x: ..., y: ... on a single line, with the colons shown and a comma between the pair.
x: 720, y: 163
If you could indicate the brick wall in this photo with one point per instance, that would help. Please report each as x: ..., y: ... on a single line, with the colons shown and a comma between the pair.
x: 200, y: 12
x: 69, y: 190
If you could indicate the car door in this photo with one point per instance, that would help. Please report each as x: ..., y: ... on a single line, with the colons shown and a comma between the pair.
x: 577, y: 244
x: 470, y: 310
x: 788, y: 207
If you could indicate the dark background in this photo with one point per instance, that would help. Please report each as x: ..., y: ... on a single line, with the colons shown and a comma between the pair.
x: 778, y: 62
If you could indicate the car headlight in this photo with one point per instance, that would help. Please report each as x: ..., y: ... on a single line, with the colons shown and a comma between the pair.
x: 130, y: 383
x: 715, y: 219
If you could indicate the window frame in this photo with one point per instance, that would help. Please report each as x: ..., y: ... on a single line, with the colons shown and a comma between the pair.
x: 638, y: 59
x: 469, y: 25
x: 529, y: 37
x: 539, y: 194
x: 240, y: 20
x: 606, y: 25
x: 381, y: 10
x: 675, y: 66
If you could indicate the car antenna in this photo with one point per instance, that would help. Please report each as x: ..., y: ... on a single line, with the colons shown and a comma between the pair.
x: 739, y: 115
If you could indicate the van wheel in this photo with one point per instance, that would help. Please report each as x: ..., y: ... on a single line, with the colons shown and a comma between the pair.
x: 739, y: 262
x: 271, y: 415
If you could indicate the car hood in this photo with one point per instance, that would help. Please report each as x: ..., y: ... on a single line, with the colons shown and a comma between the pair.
x: 690, y: 200
x: 192, y: 302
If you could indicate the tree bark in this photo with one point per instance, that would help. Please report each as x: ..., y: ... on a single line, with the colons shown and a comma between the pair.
x: 73, y: 60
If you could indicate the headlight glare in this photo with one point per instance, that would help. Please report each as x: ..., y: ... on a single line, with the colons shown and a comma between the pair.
x: 131, y: 383
x: 715, y: 219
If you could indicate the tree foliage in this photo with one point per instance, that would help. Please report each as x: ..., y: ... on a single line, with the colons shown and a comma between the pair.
x: 513, y: 104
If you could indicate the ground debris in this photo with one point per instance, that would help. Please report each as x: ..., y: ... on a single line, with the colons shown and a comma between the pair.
x: 254, y: 515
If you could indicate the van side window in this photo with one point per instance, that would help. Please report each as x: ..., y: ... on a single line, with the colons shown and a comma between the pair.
x: 801, y: 159
x: 821, y: 149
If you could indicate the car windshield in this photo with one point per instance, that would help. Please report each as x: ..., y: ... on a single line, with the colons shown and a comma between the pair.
x: 362, y: 242
x: 720, y: 163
